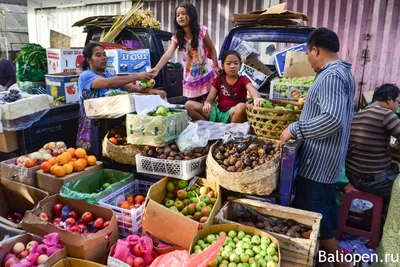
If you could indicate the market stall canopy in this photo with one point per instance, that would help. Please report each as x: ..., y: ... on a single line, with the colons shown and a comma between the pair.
x: 275, y: 16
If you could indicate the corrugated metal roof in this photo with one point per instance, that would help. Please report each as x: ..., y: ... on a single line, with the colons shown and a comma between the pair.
x: 17, y: 26
x: 352, y: 20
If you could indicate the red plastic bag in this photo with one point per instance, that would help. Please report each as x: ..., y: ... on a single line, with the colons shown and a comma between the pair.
x: 182, y: 258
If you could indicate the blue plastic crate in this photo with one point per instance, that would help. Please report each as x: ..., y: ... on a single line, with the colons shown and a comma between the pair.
x: 289, y: 167
x: 285, y: 200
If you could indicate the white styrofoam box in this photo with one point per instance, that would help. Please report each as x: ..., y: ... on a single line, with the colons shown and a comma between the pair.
x: 24, y: 107
x: 64, y: 60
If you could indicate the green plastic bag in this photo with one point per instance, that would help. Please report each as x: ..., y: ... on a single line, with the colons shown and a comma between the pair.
x: 85, y: 187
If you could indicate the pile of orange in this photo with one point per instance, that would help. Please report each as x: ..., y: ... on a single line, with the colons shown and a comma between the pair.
x: 132, y: 202
x: 74, y: 160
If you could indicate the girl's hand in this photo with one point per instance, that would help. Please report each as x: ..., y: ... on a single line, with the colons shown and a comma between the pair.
x: 218, y: 70
x: 161, y: 93
x: 154, y: 72
x: 207, y: 108
x: 258, y: 102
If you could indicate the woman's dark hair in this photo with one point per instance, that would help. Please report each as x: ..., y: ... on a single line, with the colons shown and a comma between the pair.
x: 88, y: 53
x: 270, y: 49
x: 386, y: 92
x: 193, y: 23
x: 324, y: 38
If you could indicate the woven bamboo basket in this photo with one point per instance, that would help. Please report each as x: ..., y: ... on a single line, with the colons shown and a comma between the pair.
x: 270, y: 122
x: 122, y: 154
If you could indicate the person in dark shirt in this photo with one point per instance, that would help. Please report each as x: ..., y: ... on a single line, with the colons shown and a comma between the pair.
x: 7, y: 72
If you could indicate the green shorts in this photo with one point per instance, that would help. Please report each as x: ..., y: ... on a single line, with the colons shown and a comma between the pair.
x: 217, y: 115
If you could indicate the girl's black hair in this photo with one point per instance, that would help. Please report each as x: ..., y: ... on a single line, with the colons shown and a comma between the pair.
x: 228, y: 53
x: 88, y: 53
x: 193, y: 23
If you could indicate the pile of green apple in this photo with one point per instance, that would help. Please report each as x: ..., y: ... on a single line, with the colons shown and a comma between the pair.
x: 196, y: 203
x: 241, y: 250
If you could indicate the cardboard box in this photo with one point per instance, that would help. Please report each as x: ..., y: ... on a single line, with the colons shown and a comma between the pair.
x: 7, y: 232
x: 17, y: 197
x: 7, y: 246
x: 8, y: 142
x: 94, y: 248
x: 72, y: 262
x: 176, y: 229
x: 280, y: 57
x: 155, y: 131
x: 297, y: 65
x: 18, y: 173
x: 126, y: 62
x: 24, y: 107
x: 294, y: 250
x: 63, y: 84
x: 366, y: 98
x: 52, y: 184
x: 216, y: 229
x: 64, y: 60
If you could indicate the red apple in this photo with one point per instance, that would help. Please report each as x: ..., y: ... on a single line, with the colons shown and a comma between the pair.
x: 105, y: 224
x: 87, y: 217
x: 98, y: 223
x: 70, y: 221
x: 83, y: 228
x: 23, y: 254
x: 11, y: 261
x: 149, y: 258
x: 30, y: 245
x: 73, y: 214
x: 137, y: 251
x: 75, y: 229
x: 44, y: 216
x: 57, y: 209
x: 129, y: 260
x: 41, y: 259
x: 57, y: 220
x: 18, y: 248
x: 138, y: 262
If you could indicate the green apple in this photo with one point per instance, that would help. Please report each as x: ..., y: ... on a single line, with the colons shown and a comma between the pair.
x: 272, y: 264
x: 200, y: 242
x: 232, y: 244
x: 170, y: 186
x: 249, y: 252
x: 190, y: 194
x: 232, y: 234
x: 182, y: 184
x: 240, y: 244
x: 246, y: 239
x: 225, y: 255
x: 263, y: 253
x: 262, y: 263
x: 205, y: 199
x: 239, y: 251
x: 232, y: 264
x: 194, y: 200
x: 273, y: 245
x: 256, y: 239
x: 271, y: 251
x: 264, y: 247
x: 143, y: 85
x: 210, y: 238
x: 268, y: 258
x: 256, y: 249
x: 173, y: 208
x: 244, y: 258
x: 200, y: 205
x: 197, y: 247
x: 275, y: 258
x: 247, y: 246
x: 240, y: 235
x: 233, y: 257
x: 258, y: 257
x: 204, y: 190
x: 236, y: 240
x: 105, y: 185
x: 222, y: 233
x: 228, y: 249
x: 225, y: 261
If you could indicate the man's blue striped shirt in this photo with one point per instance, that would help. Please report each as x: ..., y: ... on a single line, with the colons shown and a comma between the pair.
x: 325, y: 121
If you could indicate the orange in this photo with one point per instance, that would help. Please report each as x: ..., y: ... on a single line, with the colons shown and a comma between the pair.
x: 52, y: 168
x: 67, y: 155
x: 29, y: 163
x: 129, y: 199
x: 71, y: 151
x: 113, y: 140
x: 79, y: 165
x: 68, y: 168
x: 59, y: 171
x: 52, y: 161
x: 91, y: 160
x: 45, y: 166
x: 61, y: 159
x: 80, y: 153
x: 139, y: 199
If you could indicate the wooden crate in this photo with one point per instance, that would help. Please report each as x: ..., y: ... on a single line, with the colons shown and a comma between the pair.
x: 295, y: 251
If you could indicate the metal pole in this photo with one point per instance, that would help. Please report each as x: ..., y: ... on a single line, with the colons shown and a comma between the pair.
x: 3, y: 12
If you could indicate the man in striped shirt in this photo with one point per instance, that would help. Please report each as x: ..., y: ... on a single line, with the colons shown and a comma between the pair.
x: 369, y: 164
x: 324, y: 128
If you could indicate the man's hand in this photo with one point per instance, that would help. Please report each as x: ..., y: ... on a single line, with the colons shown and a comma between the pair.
x: 207, y: 108
x: 161, y: 93
x: 285, y: 136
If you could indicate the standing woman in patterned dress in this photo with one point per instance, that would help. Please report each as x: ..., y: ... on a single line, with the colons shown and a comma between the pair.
x: 192, y: 42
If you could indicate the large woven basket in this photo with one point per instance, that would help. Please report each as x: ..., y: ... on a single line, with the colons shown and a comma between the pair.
x: 261, y: 181
x: 122, y: 154
x: 269, y: 122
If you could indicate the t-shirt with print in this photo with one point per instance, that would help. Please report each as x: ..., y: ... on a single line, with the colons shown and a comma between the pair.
x: 86, y: 79
x: 225, y: 101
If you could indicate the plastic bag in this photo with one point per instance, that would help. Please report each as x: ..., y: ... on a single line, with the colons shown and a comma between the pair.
x: 193, y: 137
x: 217, y: 130
x: 182, y: 258
x: 22, y: 123
x: 84, y: 187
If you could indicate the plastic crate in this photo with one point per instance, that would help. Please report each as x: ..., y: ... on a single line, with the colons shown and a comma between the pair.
x: 181, y: 169
x: 129, y: 221
x: 280, y: 90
